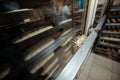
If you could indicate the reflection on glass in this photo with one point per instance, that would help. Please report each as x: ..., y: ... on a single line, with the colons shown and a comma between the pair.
x: 40, y: 42
x: 78, y: 9
x: 99, y: 12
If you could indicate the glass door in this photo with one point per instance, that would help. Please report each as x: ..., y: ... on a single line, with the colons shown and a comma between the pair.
x: 100, y: 11
x: 79, y: 9
x: 38, y: 41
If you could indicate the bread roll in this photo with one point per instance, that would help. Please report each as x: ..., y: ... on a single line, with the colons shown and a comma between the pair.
x: 20, y: 10
x: 41, y: 63
x: 49, y: 66
x: 118, y: 20
x: 113, y: 24
x: 109, y: 44
x: 111, y: 32
x: 5, y: 71
x: 108, y: 20
x: 51, y: 73
x: 27, y: 20
x: 65, y: 21
x: 108, y: 38
x: 80, y: 40
x: 27, y: 36
x: 38, y: 48
x: 113, y: 20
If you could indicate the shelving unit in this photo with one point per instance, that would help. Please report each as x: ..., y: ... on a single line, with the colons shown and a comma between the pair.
x: 109, y: 38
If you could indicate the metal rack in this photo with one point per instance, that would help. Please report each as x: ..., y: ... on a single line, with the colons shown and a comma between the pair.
x: 108, y: 40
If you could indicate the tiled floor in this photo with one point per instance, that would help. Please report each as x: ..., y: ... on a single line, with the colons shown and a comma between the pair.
x: 100, y: 68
